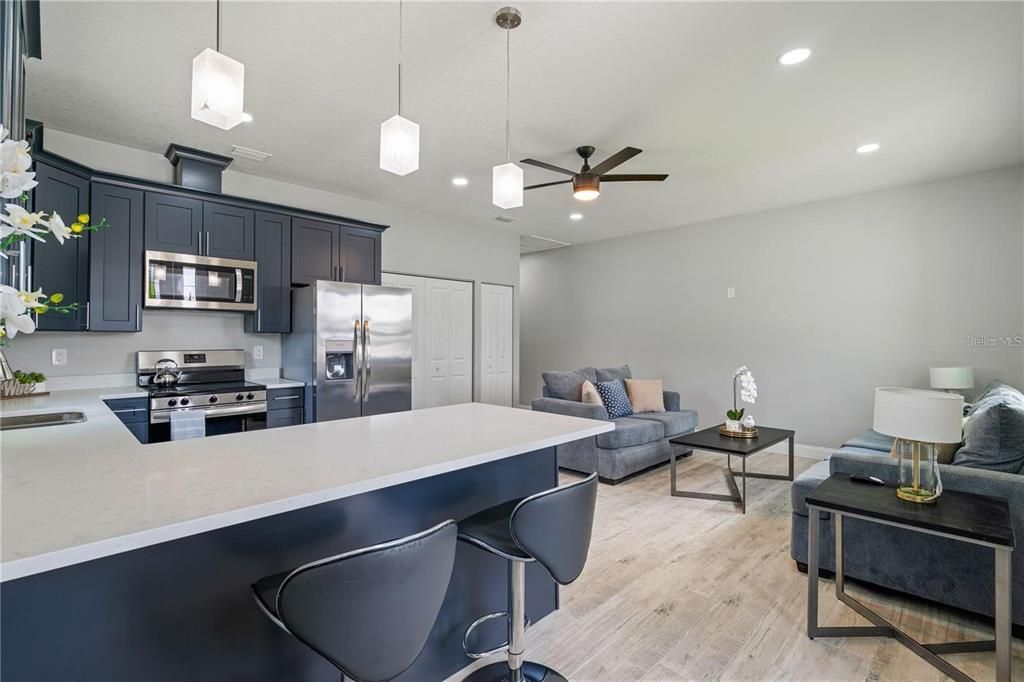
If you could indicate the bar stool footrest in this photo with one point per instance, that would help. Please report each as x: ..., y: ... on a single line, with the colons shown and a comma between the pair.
x: 480, y: 621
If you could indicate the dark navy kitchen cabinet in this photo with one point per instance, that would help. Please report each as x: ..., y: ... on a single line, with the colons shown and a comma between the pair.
x: 228, y: 231
x: 115, y: 260
x: 133, y: 413
x: 360, y: 255
x: 173, y: 223
x: 273, y: 275
x: 60, y: 268
x: 316, y: 247
x: 284, y: 406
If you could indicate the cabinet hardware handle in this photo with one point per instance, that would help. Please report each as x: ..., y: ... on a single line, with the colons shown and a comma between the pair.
x: 259, y: 319
x: 287, y: 397
x: 138, y: 317
x: 88, y: 315
x: 207, y: 242
x: 341, y: 273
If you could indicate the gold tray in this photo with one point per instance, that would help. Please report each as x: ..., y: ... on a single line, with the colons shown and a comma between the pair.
x: 745, y: 433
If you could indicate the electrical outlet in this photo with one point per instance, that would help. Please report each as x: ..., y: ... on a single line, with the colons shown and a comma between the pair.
x: 257, y: 352
x: 730, y: 292
x: 59, y: 357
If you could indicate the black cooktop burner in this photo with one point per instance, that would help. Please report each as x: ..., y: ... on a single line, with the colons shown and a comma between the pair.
x: 192, y: 389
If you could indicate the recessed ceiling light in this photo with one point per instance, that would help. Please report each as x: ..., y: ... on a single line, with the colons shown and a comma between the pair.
x: 575, y: 216
x: 246, y: 117
x: 460, y: 181
x: 794, y: 56
x: 868, y: 148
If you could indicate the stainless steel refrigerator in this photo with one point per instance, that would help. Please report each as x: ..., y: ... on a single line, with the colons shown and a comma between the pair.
x: 352, y: 346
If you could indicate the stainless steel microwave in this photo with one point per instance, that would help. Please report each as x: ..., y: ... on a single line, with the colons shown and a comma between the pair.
x: 181, y: 280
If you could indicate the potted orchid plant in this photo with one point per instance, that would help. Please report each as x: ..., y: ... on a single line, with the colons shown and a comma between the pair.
x: 17, y: 223
x: 743, y: 386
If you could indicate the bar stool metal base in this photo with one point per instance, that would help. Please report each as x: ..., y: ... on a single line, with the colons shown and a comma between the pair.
x: 530, y: 672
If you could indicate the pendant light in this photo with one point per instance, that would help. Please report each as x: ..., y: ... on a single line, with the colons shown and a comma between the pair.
x: 507, y: 178
x: 399, y: 137
x: 217, y: 86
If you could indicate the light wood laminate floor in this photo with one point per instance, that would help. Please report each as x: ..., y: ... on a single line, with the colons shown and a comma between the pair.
x: 685, y: 589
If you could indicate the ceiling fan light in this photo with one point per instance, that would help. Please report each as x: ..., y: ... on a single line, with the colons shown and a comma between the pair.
x: 218, y: 84
x: 507, y: 186
x: 399, y: 145
x: 586, y: 187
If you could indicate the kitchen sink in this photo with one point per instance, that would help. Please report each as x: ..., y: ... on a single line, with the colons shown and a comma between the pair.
x: 31, y: 421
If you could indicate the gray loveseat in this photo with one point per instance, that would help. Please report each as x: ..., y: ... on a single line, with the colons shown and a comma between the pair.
x: 942, y: 570
x: 637, y: 443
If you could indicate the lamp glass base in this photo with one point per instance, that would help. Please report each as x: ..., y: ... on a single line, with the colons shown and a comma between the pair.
x: 917, y: 495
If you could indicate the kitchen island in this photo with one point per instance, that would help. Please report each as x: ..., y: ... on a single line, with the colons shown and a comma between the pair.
x: 127, y: 561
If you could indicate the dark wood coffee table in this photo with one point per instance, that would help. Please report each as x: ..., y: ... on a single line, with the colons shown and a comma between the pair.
x: 977, y: 519
x: 711, y: 440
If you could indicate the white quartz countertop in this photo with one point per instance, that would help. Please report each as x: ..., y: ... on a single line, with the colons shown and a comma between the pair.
x: 78, y: 492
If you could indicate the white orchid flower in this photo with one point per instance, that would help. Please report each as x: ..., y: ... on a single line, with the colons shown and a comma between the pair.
x: 19, y: 221
x: 58, y: 228
x: 14, y: 315
x: 13, y: 185
x: 15, y: 162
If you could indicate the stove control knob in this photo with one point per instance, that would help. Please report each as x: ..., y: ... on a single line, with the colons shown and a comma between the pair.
x: 239, y: 397
x: 184, y: 401
x: 213, y: 398
x: 249, y: 396
x: 172, y: 402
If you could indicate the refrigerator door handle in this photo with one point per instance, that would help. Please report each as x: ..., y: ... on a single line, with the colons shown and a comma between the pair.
x: 358, y: 358
x: 366, y: 357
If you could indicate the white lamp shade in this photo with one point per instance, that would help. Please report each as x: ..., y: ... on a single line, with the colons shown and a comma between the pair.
x: 507, y: 188
x: 915, y: 414
x: 218, y: 84
x: 951, y: 377
x: 399, y: 145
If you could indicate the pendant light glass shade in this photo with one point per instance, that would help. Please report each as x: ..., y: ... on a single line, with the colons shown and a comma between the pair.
x: 507, y: 186
x: 218, y: 83
x: 399, y: 145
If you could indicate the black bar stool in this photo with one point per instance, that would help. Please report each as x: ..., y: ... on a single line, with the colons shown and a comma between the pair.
x: 369, y: 611
x: 553, y: 528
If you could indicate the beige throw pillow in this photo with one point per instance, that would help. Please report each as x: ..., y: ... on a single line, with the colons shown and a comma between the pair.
x: 646, y: 395
x: 590, y: 395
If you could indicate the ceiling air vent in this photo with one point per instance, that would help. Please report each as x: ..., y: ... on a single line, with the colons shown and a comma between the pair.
x: 505, y: 219
x: 250, y: 154
x: 530, y: 243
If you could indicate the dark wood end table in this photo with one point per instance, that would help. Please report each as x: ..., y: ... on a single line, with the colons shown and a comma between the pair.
x: 977, y: 519
x: 711, y: 440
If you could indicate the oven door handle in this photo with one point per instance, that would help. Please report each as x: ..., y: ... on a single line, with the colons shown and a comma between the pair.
x: 164, y: 416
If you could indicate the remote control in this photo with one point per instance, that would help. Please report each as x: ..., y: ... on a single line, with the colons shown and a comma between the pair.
x: 870, y: 480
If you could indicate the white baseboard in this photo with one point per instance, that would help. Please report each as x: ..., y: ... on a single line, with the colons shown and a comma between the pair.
x: 801, y: 450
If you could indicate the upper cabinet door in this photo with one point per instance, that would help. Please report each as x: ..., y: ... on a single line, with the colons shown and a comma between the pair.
x: 273, y: 275
x: 360, y: 255
x: 227, y: 231
x: 173, y: 223
x: 115, y: 257
x: 61, y: 268
x: 315, y: 251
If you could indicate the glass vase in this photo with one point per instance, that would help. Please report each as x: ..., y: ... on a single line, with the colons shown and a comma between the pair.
x: 919, y: 471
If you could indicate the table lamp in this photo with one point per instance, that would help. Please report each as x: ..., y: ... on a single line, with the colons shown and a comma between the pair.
x: 951, y: 378
x: 919, y: 420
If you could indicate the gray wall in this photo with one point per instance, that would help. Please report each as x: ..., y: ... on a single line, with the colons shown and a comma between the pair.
x: 833, y: 298
x: 416, y: 243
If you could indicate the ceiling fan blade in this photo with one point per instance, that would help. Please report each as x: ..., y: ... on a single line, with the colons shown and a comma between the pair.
x: 541, y: 164
x: 615, y: 159
x: 651, y: 177
x: 548, y: 184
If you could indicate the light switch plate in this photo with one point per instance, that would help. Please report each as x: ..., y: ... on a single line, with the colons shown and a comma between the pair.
x: 730, y: 292
x: 257, y: 352
x: 59, y: 357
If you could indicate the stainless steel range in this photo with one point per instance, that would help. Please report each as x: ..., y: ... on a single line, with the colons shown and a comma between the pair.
x: 210, y: 381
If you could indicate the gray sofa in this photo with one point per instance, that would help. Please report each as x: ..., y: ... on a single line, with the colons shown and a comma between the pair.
x: 938, y: 569
x: 637, y: 443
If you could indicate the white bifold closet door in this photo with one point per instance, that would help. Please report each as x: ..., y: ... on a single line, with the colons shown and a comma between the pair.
x: 496, y: 336
x: 442, y: 365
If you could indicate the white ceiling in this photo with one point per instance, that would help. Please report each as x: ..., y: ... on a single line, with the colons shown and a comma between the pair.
x: 695, y: 85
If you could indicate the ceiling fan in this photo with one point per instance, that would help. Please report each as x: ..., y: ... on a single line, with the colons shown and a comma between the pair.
x: 586, y: 184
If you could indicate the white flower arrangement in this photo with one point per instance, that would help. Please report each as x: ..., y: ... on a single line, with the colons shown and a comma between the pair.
x: 743, y: 379
x: 18, y: 223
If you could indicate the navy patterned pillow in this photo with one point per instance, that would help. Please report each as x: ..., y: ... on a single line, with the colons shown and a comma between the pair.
x: 616, y: 400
